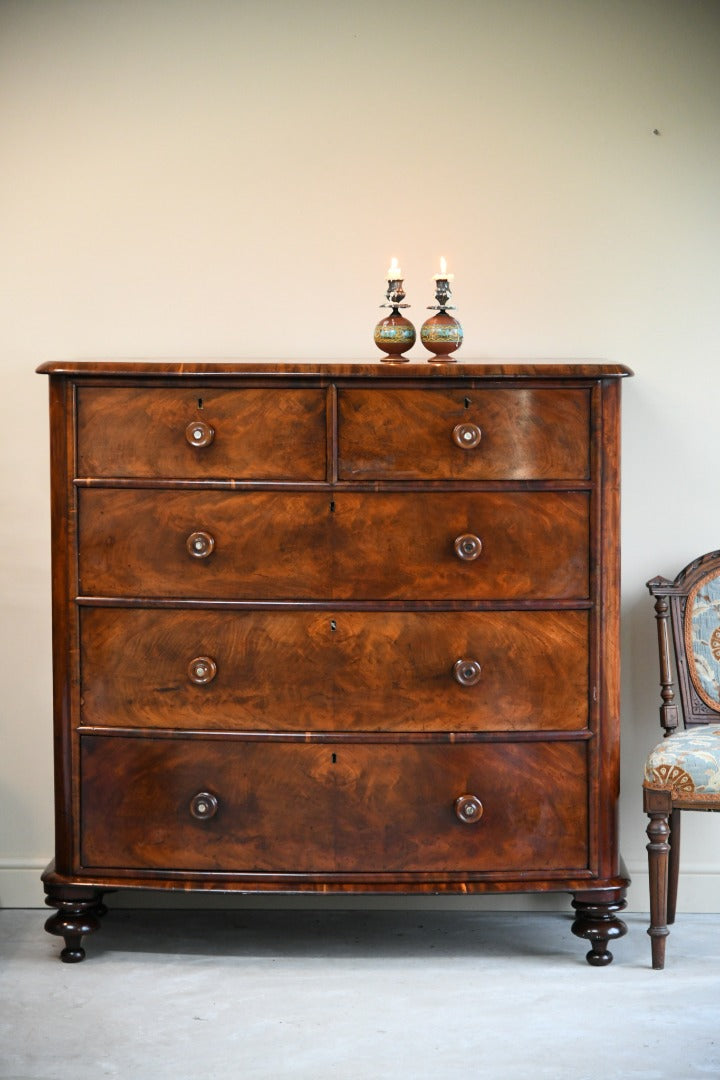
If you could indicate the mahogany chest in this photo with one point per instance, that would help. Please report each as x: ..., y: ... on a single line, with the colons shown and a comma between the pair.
x: 335, y: 628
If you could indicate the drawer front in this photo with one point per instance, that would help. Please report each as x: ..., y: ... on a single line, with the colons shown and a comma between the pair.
x: 335, y: 670
x: 199, y: 433
x: 532, y: 545
x: 372, y: 546
x: 269, y: 545
x: 503, y: 434
x: 281, y: 808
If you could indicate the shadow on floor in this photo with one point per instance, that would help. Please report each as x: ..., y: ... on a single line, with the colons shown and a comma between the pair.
x: 341, y: 934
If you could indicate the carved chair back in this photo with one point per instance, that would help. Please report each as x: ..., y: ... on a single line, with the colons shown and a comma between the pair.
x: 690, y: 606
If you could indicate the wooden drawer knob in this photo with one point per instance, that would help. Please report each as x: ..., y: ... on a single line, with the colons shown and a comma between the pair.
x: 467, y: 436
x: 467, y: 672
x: 468, y: 809
x: 203, y: 806
x: 202, y: 670
x: 200, y: 544
x: 198, y: 433
x: 468, y: 547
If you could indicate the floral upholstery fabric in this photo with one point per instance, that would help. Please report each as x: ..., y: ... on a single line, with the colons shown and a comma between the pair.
x: 702, y: 639
x: 687, y: 763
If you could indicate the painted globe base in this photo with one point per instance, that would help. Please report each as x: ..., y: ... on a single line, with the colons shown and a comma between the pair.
x: 442, y: 335
x: 394, y: 335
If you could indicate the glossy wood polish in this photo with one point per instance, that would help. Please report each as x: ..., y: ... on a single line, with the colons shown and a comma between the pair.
x: 335, y: 628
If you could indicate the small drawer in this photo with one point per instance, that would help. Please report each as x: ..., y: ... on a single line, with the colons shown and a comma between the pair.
x: 463, y: 546
x: 305, y: 545
x: 204, y: 544
x: 497, y: 434
x: 205, y: 805
x: 334, y: 670
x: 255, y: 434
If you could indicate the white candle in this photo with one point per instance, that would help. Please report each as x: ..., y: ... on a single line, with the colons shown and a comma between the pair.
x: 443, y: 275
x: 394, y: 272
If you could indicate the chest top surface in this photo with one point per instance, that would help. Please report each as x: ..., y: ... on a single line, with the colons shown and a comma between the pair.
x: 333, y: 369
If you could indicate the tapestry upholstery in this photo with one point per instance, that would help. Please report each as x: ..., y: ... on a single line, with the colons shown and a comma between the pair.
x: 702, y: 639
x: 687, y: 763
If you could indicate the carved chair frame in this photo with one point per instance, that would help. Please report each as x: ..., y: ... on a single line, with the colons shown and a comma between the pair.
x: 663, y: 805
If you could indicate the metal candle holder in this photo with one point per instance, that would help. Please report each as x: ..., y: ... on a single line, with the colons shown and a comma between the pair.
x: 442, y: 334
x: 395, y: 334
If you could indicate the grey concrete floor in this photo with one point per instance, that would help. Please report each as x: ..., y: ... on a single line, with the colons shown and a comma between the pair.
x: 357, y: 995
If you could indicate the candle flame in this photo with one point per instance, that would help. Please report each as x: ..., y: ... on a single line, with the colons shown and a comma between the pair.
x: 394, y: 267
x: 443, y: 265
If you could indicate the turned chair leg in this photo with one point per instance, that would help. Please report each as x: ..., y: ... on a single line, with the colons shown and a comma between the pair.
x: 658, y: 849
x: 673, y: 865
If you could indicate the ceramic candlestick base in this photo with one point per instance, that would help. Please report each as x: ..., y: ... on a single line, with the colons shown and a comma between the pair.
x: 395, y: 334
x: 441, y: 334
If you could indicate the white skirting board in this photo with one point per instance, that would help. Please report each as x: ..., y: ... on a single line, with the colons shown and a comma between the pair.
x: 699, y: 892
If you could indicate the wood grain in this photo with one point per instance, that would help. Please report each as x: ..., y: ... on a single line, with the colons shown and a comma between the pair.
x: 324, y: 808
x: 222, y: 371
x: 531, y: 434
x: 335, y: 670
x: 295, y: 545
x: 140, y: 432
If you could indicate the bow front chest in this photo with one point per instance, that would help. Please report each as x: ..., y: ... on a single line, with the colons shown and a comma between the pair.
x: 335, y: 628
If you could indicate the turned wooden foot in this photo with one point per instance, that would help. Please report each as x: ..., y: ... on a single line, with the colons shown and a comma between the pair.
x: 596, y: 920
x: 78, y: 913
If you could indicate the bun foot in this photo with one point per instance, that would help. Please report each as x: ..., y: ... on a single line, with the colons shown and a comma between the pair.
x: 77, y: 914
x: 597, y: 921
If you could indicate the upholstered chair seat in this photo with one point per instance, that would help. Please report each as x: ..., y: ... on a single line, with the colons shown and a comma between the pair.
x: 687, y: 762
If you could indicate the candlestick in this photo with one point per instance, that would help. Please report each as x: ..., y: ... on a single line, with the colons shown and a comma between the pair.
x: 394, y: 334
x: 442, y: 334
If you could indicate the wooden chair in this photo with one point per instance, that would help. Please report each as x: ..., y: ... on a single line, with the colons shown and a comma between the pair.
x: 683, y: 771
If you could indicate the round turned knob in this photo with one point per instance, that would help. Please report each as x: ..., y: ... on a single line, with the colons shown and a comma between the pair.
x: 202, y: 670
x: 467, y: 672
x: 467, y: 436
x: 468, y: 809
x: 200, y: 544
x: 203, y: 806
x: 468, y: 547
x: 198, y: 433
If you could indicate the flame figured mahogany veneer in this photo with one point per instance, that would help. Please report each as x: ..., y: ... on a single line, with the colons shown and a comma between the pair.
x: 335, y: 628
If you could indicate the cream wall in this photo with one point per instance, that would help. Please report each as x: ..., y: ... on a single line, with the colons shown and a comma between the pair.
x: 229, y: 179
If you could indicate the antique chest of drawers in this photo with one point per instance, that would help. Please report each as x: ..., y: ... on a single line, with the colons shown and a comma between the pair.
x: 335, y: 628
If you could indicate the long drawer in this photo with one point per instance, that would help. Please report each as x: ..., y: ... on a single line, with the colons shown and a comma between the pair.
x: 496, y: 434
x: 372, y: 546
x: 334, y: 670
x: 246, y: 807
x: 185, y: 433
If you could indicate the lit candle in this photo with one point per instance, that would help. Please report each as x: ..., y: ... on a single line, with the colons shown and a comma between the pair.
x: 394, y: 273
x: 443, y: 275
